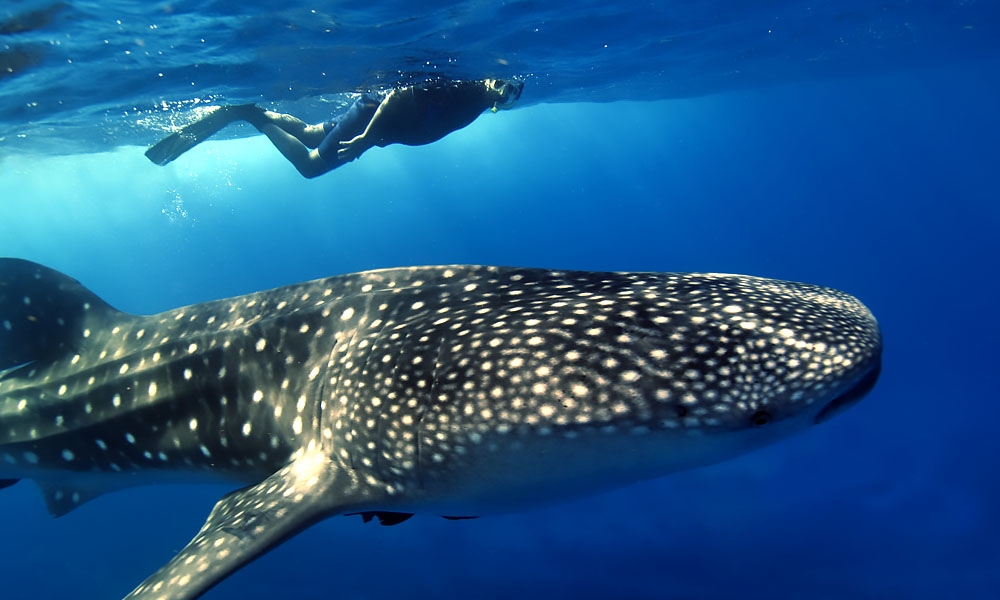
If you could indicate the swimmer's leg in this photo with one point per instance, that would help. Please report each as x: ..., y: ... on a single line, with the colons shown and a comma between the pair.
x: 175, y: 144
x: 307, y: 161
x: 349, y: 125
x: 310, y: 135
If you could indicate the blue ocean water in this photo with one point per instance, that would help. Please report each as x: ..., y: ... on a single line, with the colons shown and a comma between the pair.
x: 850, y: 144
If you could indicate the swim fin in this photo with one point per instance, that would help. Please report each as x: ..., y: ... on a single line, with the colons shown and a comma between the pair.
x: 177, y: 143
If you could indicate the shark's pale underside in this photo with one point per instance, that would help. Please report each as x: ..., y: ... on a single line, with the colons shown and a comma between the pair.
x: 455, y: 390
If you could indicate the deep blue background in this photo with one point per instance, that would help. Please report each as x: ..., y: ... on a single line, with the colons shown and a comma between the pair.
x: 884, y: 186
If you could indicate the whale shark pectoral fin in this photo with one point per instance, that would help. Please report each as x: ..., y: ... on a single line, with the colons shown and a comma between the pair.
x: 249, y: 522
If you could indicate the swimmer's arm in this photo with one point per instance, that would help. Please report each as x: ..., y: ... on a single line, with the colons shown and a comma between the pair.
x: 354, y: 147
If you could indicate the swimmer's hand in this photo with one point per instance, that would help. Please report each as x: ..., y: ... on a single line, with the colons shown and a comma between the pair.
x: 351, y: 149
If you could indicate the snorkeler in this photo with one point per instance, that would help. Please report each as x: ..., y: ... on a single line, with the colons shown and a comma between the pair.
x: 412, y: 115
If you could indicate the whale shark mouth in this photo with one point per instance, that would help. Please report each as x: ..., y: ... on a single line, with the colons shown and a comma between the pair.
x: 851, y: 397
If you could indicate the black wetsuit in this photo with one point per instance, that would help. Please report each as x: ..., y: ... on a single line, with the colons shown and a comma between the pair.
x: 413, y: 115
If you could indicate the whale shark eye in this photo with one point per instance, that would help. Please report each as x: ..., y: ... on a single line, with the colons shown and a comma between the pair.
x: 760, y: 418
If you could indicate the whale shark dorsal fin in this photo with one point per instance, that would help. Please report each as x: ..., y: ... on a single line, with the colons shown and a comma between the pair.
x: 43, y: 313
x: 249, y: 522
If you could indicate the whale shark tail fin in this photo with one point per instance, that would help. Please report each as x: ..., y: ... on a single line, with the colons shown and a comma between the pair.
x: 44, y: 314
x: 179, y: 142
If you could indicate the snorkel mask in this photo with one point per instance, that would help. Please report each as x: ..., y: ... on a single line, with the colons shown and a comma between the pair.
x: 508, y: 91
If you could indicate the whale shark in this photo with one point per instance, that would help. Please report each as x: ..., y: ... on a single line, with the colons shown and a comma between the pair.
x: 456, y: 391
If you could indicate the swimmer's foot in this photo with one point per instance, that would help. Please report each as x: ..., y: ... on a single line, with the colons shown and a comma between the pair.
x: 177, y: 143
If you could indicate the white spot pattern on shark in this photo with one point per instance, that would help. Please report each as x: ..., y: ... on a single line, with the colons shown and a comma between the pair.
x: 457, y: 390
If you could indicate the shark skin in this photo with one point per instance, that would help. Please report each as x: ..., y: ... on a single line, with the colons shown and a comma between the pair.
x: 457, y: 391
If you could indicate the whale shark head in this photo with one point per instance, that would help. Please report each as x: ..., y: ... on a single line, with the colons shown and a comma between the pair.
x: 550, y: 384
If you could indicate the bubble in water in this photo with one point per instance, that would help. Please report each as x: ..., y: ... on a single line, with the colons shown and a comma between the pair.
x: 174, y: 211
